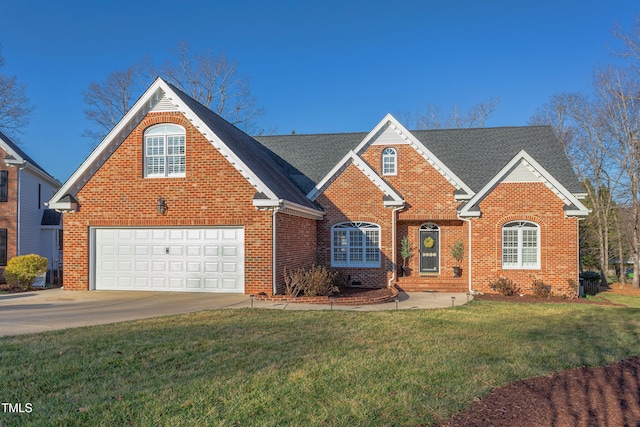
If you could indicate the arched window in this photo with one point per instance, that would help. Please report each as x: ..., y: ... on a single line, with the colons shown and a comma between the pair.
x: 389, y: 162
x: 355, y: 244
x: 521, y: 245
x: 164, y: 151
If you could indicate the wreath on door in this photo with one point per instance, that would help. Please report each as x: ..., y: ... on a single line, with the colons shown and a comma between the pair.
x: 428, y: 242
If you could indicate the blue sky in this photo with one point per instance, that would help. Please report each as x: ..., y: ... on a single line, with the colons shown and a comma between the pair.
x: 315, y: 66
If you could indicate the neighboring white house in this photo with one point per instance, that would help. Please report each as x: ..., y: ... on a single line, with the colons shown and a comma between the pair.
x: 26, y: 225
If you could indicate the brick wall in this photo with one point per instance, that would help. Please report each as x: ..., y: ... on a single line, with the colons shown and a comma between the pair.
x: 212, y: 193
x: 353, y: 197
x: 9, y: 209
x: 296, y: 245
x: 428, y: 195
x: 558, y: 237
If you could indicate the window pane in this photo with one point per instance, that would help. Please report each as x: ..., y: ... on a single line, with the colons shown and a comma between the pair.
x: 510, y: 247
x: 356, y: 244
x: 4, y: 186
x: 3, y: 246
x: 165, y: 153
x: 340, y: 246
x: 388, y: 161
x: 529, y: 248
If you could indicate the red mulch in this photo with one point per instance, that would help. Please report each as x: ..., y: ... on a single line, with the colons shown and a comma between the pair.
x: 363, y: 292
x: 600, y: 396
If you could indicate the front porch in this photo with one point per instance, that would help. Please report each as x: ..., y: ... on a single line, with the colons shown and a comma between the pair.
x: 444, y: 283
x: 430, y: 266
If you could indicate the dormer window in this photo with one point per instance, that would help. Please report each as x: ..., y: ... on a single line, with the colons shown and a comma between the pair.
x: 164, y: 151
x: 389, y: 162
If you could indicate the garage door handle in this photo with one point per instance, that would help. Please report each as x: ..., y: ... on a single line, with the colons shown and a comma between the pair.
x: 166, y: 251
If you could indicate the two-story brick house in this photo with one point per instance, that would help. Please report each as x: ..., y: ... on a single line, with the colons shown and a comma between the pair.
x: 26, y: 225
x: 176, y: 198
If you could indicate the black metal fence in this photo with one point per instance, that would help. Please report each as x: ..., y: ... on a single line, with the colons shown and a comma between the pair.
x: 590, y: 286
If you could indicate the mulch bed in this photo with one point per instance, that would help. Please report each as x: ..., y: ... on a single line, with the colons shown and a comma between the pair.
x: 602, y: 396
x: 599, y: 396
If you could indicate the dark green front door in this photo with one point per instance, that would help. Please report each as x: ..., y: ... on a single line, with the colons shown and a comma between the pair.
x: 429, y: 251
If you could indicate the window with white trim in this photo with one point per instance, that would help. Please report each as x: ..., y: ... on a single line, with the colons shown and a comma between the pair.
x: 164, y: 151
x: 521, y: 245
x: 355, y: 244
x: 389, y: 162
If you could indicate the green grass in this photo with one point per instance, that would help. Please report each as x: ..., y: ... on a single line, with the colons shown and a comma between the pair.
x: 274, y: 368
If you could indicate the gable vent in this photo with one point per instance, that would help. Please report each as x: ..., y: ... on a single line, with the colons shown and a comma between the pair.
x: 164, y: 105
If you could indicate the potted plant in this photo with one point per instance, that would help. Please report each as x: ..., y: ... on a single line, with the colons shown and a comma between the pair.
x: 457, y: 253
x: 406, y: 252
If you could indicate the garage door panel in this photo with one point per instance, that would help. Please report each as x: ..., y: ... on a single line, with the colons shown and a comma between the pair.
x: 191, y: 259
x: 212, y: 284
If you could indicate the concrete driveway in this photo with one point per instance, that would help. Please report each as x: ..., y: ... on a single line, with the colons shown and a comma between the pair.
x: 46, y: 310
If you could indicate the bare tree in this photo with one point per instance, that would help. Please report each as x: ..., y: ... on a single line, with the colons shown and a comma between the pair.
x: 14, y: 104
x: 434, y: 118
x: 215, y: 83
x: 581, y: 130
x: 211, y: 80
x: 619, y: 92
x: 110, y: 100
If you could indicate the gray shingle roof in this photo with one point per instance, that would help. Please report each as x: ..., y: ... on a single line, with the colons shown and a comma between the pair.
x: 308, y: 158
x: 256, y: 156
x: 474, y: 155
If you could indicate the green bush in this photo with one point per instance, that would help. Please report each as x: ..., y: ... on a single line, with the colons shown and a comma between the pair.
x: 22, y: 270
x: 540, y: 290
x: 591, y: 275
x: 505, y: 286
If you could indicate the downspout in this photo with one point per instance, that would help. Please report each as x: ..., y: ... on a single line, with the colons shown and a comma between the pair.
x: 274, y: 253
x: 393, y: 245
x: 468, y: 221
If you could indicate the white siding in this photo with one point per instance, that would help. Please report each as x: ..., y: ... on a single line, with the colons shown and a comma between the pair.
x: 521, y: 173
x: 389, y: 136
x: 32, y: 238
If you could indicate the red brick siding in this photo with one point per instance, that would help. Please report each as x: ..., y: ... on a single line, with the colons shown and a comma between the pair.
x: 9, y: 209
x: 353, y: 197
x: 558, y: 237
x: 212, y: 193
x: 428, y: 198
x: 428, y: 195
x: 450, y: 232
x: 296, y: 245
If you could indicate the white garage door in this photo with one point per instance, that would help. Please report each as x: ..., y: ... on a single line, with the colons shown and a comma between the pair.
x: 169, y: 259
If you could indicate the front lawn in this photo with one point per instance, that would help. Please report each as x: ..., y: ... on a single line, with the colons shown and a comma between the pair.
x: 274, y: 368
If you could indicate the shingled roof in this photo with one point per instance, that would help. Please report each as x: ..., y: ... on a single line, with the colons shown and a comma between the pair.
x: 15, y: 153
x: 256, y: 156
x: 474, y: 155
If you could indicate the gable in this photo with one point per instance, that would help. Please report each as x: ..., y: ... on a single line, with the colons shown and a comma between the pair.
x: 390, y: 196
x: 389, y: 135
x: 522, y: 172
x: 251, y: 159
x: 389, y: 129
x: 524, y: 168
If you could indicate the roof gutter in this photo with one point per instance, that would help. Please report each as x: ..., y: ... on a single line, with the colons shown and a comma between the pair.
x: 291, y: 207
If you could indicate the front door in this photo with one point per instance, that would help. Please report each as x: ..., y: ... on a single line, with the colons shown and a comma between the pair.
x: 429, y: 249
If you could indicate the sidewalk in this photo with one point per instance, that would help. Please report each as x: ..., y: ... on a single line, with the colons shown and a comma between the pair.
x: 51, y: 309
